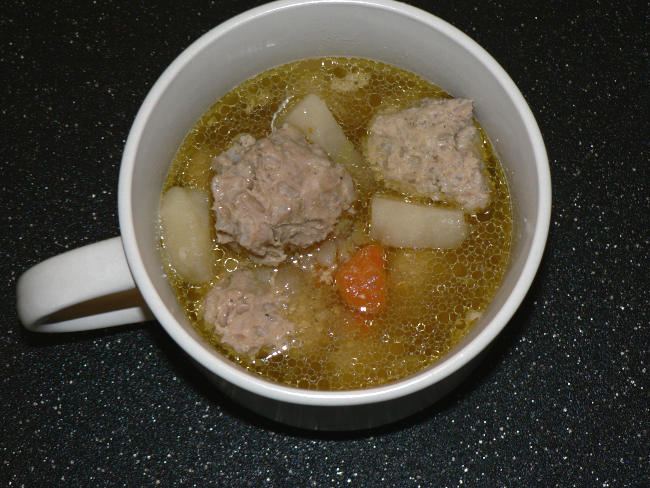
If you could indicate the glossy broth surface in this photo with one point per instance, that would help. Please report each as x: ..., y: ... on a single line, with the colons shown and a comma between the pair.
x: 434, y: 296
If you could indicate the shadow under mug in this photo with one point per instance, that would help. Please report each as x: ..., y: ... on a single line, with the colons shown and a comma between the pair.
x: 121, y: 280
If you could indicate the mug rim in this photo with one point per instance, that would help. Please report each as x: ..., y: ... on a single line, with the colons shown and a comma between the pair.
x: 240, y: 377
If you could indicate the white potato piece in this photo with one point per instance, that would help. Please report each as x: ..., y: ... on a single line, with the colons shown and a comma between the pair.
x: 185, y: 220
x: 399, y: 224
x: 325, y: 253
x: 312, y: 117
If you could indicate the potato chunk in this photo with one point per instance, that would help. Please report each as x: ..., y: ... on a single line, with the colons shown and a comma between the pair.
x: 399, y: 224
x: 313, y: 118
x: 319, y: 126
x: 185, y: 221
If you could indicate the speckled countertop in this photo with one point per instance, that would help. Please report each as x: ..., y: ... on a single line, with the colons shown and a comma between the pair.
x: 560, y: 400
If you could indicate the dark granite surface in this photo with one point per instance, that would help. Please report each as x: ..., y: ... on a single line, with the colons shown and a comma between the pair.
x: 560, y: 400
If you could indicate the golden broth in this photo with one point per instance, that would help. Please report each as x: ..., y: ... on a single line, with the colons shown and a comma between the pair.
x: 434, y: 296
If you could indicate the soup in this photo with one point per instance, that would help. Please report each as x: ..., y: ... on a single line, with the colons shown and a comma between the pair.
x: 431, y: 295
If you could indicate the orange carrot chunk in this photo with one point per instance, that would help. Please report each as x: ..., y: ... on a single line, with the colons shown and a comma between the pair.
x: 362, y: 280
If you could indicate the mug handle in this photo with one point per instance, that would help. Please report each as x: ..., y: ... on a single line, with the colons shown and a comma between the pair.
x: 83, y: 289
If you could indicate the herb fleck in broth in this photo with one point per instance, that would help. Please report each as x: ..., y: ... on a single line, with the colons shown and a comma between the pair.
x: 434, y: 296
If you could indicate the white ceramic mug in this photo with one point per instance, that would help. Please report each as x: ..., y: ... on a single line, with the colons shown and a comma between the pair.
x: 97, y: 285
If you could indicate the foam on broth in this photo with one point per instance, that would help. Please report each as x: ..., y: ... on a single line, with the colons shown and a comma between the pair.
x: 434, y: 296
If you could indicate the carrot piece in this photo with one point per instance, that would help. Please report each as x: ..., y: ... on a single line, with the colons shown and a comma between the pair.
x: 362, y: 280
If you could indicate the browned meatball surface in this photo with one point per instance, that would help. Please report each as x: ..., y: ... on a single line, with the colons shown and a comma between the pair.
x: 277, y: 193
x: 248, y: 314
x: 431, y: 150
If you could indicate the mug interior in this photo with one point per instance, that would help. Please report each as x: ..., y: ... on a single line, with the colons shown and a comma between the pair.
x: 282, y: 32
